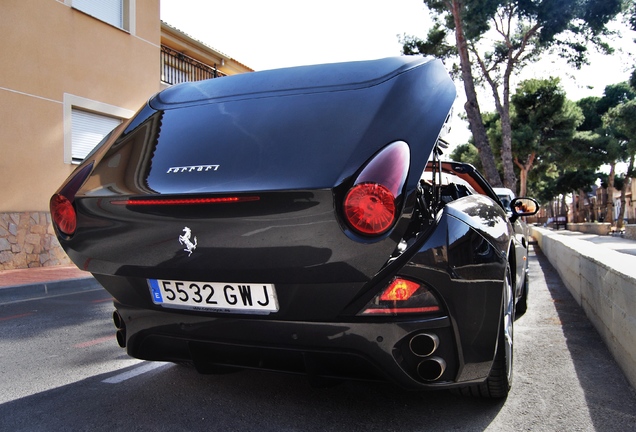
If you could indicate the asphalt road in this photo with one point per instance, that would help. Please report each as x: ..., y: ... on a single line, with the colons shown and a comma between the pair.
x: 61, y: 369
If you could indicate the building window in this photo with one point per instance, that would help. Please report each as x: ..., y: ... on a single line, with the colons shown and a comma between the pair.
x: 86, y: 122
x: 87, y: 130
x: 118, y: 13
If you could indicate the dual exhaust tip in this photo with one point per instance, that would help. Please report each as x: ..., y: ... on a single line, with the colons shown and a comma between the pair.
x: 424, y: 345
x: 120, y: 325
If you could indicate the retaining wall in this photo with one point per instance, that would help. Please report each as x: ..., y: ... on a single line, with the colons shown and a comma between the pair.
x: 603, y: 282
x: 27, y: 240
x: 599, y: 228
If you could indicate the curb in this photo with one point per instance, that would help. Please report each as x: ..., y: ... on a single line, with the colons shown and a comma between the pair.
x: 49, y: 288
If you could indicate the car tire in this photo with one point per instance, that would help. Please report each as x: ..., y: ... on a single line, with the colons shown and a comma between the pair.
x: 499, y: 381
x: 522, y: 304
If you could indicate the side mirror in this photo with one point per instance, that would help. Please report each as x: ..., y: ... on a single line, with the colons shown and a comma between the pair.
x: 524, y: 207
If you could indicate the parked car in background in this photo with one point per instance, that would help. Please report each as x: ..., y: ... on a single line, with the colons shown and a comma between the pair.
x: 301, y: 220
x: 505, y: 196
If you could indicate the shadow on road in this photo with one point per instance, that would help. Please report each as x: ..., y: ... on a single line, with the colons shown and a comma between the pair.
x: 610, y: 399
x: 177, y: 398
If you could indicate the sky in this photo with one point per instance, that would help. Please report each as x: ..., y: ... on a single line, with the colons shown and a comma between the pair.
x: 270, y: 34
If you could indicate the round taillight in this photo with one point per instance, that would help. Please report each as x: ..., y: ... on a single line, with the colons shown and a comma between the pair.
x: 63, y: 214
x: 370, y: 208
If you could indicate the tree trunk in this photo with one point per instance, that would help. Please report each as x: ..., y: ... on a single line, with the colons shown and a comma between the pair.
x: 609, y: 208
x: 524, y: 169
x: 513, y: 60
x: 621, y: 212
x: 576, y: 204
x: 523, y: 176
x: 510, y: 180
x: 584, y: 210
x: 473, y: 111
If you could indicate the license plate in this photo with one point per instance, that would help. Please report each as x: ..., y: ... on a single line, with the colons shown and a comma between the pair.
x: 255, y: 298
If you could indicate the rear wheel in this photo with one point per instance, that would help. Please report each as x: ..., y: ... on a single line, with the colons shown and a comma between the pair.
x: 499, y: 381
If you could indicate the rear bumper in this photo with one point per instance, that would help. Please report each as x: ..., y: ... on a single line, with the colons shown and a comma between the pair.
x: 367, y: 351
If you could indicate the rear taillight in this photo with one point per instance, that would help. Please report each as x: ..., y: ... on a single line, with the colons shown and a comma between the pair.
x: 402, y: 296
x: 63, y: 214
x: 371, y: 206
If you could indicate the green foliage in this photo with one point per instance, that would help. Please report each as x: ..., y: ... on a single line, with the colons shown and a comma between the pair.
x: 621, y: 123
x: 630, y: 14
x: 467, y: 153
x: 544, y: 123
x: 586, y: 150
x: 537, y: 102
x: 567, y: 25
x: 522, y: 31
x: 475, y: 14
x: 614, y: 95
x: 622, y: 120
x: 605, y: 133
x: 589, y: 108
x: 434, y: 45
x: 574, y: 180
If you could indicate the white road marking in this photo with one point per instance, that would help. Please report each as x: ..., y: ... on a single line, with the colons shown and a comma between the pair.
x: 142, y: 369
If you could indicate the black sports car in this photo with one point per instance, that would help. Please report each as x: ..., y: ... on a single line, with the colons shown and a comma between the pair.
x: 301, y: 220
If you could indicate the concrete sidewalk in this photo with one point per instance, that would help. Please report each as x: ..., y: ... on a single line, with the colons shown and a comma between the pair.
x: 614, y: 242
x: 38, y: 282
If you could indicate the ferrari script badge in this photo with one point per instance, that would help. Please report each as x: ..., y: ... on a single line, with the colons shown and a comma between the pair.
x: 185, y: 240
x: 192, y: 168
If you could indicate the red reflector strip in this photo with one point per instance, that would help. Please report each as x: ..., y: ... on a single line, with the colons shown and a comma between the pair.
x: 392, y: 311
x: 184, y: 201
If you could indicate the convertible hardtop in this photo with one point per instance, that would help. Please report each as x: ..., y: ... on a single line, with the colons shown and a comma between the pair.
x: 298, y: 128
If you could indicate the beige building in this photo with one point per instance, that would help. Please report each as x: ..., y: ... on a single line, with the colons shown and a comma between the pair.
x: 71, y: 70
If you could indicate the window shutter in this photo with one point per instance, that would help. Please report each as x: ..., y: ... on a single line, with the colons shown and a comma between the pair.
x: 110, y: 11
x: 87, y: 130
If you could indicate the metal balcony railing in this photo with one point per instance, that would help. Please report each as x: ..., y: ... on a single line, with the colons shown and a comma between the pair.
x: 177, y: 67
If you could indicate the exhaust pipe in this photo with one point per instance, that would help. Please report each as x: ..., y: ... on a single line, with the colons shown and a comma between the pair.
x: 431, y: 369
x: 121, y: 329
x: 424, y: 344
x: 121, y: 338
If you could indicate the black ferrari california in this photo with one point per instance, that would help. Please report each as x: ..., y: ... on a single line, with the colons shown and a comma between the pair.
x: 302, y: 220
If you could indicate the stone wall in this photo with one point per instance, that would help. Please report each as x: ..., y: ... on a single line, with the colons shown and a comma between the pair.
x: 27, y: 240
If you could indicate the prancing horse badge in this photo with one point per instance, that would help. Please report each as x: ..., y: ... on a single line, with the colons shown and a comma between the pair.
x: 185, y: 240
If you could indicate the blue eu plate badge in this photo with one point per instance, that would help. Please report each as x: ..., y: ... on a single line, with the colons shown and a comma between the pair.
x: 156, y: 291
